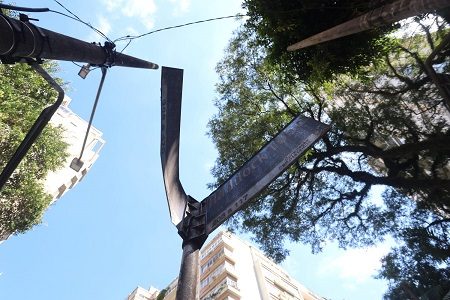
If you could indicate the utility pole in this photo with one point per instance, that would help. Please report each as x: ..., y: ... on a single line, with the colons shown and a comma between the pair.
x: 22, y: 39
x: 386, y: 14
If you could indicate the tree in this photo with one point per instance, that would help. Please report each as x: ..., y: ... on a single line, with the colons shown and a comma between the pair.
x: 23, y: 95
x: 390, y: 127
x: 418, y: 265
x: 279, y: 24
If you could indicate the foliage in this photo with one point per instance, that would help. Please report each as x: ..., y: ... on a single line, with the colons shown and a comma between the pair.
x: 279, y: 24
x: 390, y: 127
x: 162, y: 294
x: 23, y: 95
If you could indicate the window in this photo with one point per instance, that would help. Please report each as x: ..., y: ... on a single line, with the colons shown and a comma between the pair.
x: 222, y: 286
x: 212, y: 276
x: 73, y: 181
x: 211, y: 248
x: 211, y: 261
x: 61, y: 190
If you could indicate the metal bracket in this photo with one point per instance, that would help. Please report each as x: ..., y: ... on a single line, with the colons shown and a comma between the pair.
x: 26, y: 18
x: 192, y: 228
x: 110, y: 53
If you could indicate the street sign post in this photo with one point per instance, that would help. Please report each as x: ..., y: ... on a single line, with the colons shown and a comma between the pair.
x: 195, y: 220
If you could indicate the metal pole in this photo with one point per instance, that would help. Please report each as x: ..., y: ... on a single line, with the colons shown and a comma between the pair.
x: 20, y: 39
x: 386, y: 14
x: 102, y: 80
x: 186, y: 213
x: 187, y: 280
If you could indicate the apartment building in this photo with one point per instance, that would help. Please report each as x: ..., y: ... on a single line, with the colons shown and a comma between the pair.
x: 57, y: 183
x: 140, y: 293
x: 232, y: 269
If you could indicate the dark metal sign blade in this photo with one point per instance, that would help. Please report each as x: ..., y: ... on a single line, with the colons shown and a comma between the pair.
x: 171, y: 96
x: 264, y: 167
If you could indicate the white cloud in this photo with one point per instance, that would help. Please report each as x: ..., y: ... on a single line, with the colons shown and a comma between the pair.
x: 112, y: 4
x: 131, y: 31
x: 103, y: 25
x: 355, y: 265
x: 207, y: 166
x: 181, y: 6
x: 143, y: 10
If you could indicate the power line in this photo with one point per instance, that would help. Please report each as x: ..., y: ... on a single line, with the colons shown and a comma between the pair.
x: 133, y: 37
x: 130, y: 38
x: 83, y: 22
x: 123, y: 49
x: 73, y: 16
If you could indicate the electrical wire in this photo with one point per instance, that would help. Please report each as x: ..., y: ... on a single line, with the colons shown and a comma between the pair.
x: 128, y: 38
x: 73, y: 16
x: 133, y: 37
x: 78, y: 65
x: 123, y: 49
x: 85, y: 23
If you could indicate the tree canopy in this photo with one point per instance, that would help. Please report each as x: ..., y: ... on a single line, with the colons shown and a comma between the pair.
x: 23, y: 95
x: 390, y: 128
x: 279, y: 24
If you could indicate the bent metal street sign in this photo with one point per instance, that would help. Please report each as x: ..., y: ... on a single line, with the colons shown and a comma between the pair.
x: 257, y: 173
x: 263, y: 168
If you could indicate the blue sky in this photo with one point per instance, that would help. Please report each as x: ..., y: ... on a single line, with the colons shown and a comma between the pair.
x: 112, y: 232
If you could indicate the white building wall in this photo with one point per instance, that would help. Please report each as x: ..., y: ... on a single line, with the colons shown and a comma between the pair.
x: 245, y: 269
x: 232, y: 269
x: 140, y: 293
x: 57, y: 183
x: 258, y: 277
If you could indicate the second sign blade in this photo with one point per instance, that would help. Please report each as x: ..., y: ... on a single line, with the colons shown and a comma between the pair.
x: 260, y: 170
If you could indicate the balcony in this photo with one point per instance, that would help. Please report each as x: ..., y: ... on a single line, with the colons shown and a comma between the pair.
x: 224, y: 257
x: 226, y: 290
x: 224, y: 272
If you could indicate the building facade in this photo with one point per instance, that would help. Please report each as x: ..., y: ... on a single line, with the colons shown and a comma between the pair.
x: 57, y: 183
x: 140, y: 293
x: 232, y: 269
